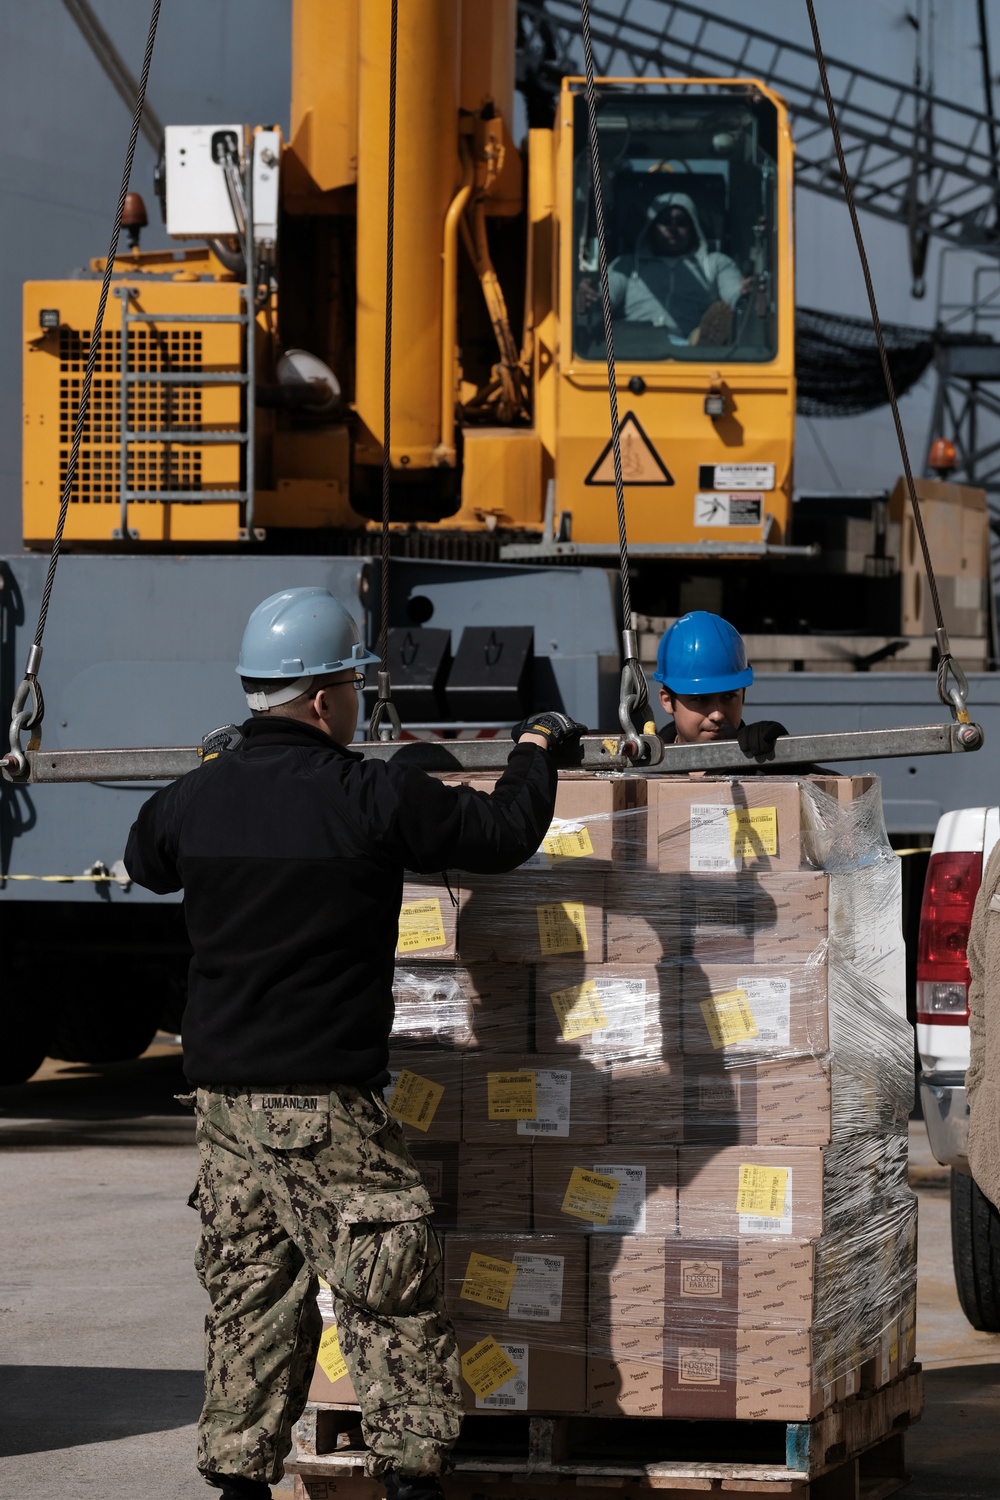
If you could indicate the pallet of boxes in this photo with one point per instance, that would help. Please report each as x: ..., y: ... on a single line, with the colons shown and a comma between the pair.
x: 658, y: 1081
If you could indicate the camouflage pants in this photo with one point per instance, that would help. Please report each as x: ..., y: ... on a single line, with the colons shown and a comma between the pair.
x: 296, y: 1184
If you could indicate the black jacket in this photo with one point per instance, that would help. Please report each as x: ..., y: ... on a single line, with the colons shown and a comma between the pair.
x: 291, y: 851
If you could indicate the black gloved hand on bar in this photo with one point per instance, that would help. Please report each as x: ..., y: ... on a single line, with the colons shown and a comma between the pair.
x: 560, y: 732
x: 759, y: 738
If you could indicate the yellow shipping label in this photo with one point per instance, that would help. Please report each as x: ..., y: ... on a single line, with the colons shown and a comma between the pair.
x: 488, y: 1281
x: 415, y: 1099
x: 511, y: 1096
x: 753, y: 831
x: 486, y: 1367
x: 729, y: 1018
x: 762, y: 1191
x: 562, y: 927
x: 421, y: 926
x: 590, y: 1195
x: 330, y: 1359
x: 567, y: 841
x: 579, y: 1010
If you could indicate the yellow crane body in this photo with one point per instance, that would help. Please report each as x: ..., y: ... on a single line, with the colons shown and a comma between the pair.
x: 499, y: 384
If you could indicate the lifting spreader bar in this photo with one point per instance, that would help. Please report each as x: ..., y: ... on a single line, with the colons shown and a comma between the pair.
x: 597, y: 753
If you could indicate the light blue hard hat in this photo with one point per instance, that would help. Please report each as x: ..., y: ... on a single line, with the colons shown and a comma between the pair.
x: 298, y: 633
x: 702, y: 653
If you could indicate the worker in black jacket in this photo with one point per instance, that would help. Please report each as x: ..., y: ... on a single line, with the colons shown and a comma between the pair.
x: 290, y: 850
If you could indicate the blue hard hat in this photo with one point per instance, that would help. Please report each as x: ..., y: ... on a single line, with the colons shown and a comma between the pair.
x: 303, y: 632
x: 702, y: 653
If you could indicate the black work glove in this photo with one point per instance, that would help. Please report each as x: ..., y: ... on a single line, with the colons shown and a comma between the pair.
x: 759, y: 738
x: 560, y: 732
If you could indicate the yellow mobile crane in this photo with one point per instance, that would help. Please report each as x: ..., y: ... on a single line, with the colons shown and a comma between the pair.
x: 204, y: 430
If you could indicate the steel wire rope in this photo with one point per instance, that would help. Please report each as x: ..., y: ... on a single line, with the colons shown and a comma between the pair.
x: 957, y: 697
x: 385, y: 722
x: 21, y: 716
x: 634, y: 692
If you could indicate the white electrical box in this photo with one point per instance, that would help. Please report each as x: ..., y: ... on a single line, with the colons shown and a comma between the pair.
x: 198, y: 205
x: 266, y: 162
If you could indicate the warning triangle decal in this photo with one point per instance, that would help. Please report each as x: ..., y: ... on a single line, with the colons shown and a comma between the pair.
x: 641, y: 464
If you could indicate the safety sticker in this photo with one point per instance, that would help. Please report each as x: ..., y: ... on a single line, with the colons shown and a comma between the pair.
x: 513, y: 1394
x: 511, y: 1096
x: 590, y: 1195
x: 538, y: 1290
x: 764, y: 1199
x: 736, y: 476
x: 641, y: 464
x: 713, y: 509
x: 753, y: 831
x: 567, y: 840
x: 486, y: 1367
x: 414, y: 1099
x: 330, y: 1359
x: 729, y: 1018
x: 624, y: 1004
x: 562, y: 927
x: 770, y: 999
x: 421, y: 926
x: 578, y: 1010
x: 552, y: 1107
x: 628, y: 1215
x: 710, y: 843
x: 488, y: 1281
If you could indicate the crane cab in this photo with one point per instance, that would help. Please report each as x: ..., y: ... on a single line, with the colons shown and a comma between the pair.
x: 696, y: 189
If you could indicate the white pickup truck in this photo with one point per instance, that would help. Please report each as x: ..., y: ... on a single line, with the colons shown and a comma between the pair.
x: 962, y: 844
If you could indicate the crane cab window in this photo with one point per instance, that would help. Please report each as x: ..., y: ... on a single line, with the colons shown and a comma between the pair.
x: 689, y: 191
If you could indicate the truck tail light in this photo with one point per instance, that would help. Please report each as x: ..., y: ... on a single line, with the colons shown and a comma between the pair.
x: 945, y: 916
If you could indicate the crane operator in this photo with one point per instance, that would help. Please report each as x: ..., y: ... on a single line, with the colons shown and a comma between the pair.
x: 290, y: 849
x: 672, y: 279
x: 703, y: 672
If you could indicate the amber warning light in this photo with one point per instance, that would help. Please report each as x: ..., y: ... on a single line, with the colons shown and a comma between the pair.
x: 945, y: 916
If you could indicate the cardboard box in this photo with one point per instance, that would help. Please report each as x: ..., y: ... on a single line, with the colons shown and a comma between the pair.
x: 424, y: 1094
x: 569, y: 1098
x: 437, y: 1163
x: 744, y: 919
x: 704, y: 1371
x: 428, y: 923
x: 625, y: 1189
x: 533, y: 915
x: 648, y: 1281
x: 596, y: 820
x: 444, y: 1005
x: 733, y: 1011
x: 522, y: 1278
x: 494, y: 1188
x: 722, y: 827
x: 607, y: 1010
x: 625, y: 1372
x: 330, y: 1362
x: 550, y: 1366
x: 956, y: 522
x: 785, y: 1103
x: 647, y: 1101
x: 749, y: 1191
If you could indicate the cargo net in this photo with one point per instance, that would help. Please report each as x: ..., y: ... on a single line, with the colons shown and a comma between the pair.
x: 657, y: 1082
x: 837, y: 364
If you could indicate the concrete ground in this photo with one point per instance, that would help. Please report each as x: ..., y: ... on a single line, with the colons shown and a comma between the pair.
x: 100, y: 1312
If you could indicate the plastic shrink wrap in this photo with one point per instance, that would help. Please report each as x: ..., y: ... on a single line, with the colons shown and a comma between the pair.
x: 657, y: 1081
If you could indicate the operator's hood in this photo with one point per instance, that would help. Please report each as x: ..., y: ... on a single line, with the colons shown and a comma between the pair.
x: 656, y: 207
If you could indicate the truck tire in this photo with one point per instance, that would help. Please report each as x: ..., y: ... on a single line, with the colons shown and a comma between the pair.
x: 975, y: 1248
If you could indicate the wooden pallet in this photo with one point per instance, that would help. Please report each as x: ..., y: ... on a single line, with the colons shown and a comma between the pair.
x: 853, y: 1451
